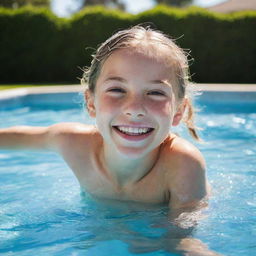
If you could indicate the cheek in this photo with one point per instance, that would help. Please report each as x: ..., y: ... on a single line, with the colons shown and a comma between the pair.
x: 161, y: 108
x: 107, y: 104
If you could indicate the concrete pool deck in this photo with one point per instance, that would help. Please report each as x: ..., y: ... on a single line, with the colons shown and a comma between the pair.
x: 19, y: 92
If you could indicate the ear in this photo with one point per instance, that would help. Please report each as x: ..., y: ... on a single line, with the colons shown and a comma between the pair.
x: 179, y: 113
x: 89, y: 100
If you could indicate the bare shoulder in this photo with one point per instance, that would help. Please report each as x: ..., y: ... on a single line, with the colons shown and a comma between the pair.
x: 65, y: 134
x: 186, y: 173
x: 183, y: 153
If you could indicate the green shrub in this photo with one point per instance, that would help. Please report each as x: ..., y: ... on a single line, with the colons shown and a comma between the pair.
x: 87, y: 30
x: 29, y: 45
x: 36, y: 46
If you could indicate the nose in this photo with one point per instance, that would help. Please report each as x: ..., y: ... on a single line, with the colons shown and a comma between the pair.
x: 134, y: 107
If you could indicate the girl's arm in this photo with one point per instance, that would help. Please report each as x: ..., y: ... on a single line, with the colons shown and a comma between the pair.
x: 49, y: 138
x: 25, y: 137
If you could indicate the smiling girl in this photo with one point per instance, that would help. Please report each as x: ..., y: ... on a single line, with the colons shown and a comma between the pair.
x: 137, y: 90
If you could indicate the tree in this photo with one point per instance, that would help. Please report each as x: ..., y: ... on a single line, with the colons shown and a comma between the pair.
x: 109, y: 3
x: 20, y: 3
x: 178, y: 3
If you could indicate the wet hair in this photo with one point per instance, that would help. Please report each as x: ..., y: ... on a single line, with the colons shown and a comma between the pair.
x: 154, y: 44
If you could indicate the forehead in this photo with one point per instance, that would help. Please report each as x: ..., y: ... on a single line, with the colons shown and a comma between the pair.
x: 127, y: 61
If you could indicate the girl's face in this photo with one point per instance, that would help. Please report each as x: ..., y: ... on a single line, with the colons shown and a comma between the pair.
x: 134, y: 103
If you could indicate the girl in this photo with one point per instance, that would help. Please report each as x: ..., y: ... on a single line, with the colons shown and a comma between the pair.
x: 137, y: 87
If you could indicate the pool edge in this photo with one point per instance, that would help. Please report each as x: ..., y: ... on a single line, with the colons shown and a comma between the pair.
x: 19, y: 92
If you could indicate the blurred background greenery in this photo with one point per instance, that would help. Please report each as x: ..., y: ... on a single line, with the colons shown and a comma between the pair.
x: 37, y: 46
x: 76, y: 5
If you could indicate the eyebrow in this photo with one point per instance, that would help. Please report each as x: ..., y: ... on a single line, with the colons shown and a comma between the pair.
x: 116, y: 78
x: 122, y: 80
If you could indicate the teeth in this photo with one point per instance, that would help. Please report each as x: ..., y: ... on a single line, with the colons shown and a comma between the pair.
x: 133, y: 130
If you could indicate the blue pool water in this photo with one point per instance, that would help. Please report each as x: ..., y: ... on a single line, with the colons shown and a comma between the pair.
x: 43, y: 212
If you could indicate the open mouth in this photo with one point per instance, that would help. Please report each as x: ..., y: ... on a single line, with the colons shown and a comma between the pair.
x: 133, y: 131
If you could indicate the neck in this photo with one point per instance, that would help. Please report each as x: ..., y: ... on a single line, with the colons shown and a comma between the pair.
x: 122, y: 170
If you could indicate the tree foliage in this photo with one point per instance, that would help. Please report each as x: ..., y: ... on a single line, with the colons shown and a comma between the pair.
x: 120, y: 4
x: 108, y: 3
x: 20, y: 3
x: 178, y: 3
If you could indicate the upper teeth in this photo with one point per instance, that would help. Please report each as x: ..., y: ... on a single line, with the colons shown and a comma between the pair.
x: 133, y: 130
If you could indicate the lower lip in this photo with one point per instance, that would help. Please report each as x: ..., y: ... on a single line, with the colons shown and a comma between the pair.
x: 133, y: 137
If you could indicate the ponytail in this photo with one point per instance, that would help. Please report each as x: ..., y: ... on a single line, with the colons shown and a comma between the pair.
x: 189, y: 120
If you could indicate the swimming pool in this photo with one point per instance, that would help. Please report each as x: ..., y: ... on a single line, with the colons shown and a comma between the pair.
x: 43, y: 212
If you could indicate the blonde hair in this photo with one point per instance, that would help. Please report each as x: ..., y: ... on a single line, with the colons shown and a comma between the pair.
x: 154, y: 44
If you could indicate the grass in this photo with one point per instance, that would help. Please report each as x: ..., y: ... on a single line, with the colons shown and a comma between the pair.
x: 12, y: 86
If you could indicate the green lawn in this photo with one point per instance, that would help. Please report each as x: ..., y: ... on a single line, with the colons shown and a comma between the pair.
x: 11, y: 86
x: 4, y: 87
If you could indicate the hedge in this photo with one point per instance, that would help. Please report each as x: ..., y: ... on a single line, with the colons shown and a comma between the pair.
x: 37, y: 46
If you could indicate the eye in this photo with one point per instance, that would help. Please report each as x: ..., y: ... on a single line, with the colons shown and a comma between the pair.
x: 156, y: 93
x: 116, y: 90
